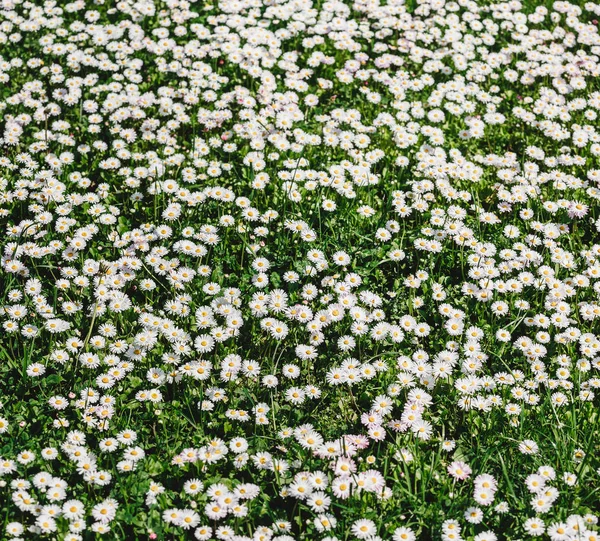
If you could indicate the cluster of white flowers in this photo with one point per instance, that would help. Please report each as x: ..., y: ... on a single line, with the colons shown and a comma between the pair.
x: 302, y: 244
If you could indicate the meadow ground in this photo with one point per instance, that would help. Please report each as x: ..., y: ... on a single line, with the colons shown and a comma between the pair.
x: 277, y: 270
